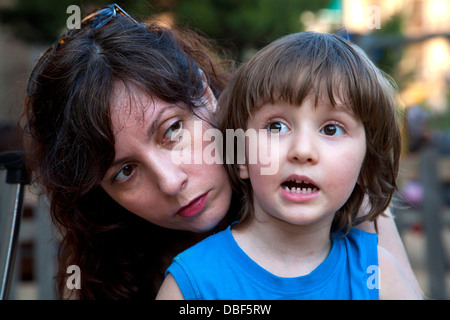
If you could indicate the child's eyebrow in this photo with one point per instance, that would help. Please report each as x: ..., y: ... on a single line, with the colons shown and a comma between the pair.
x: 341, y: 107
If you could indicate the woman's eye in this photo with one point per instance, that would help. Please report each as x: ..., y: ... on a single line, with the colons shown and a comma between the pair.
x: 124, y: 174
x: 277, y: 127
x: 173, y: 130
x: 332, y: 130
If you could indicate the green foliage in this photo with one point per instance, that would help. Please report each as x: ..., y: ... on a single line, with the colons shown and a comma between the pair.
x: 43, y: 21
x: 245, y: 23
x: 38, y: 21
x: 391, y: 56
x: 385, y: 46
x: 34, y: 21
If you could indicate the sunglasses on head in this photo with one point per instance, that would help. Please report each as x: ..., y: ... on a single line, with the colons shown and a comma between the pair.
x: 104, y: 15
x: 97, y: 19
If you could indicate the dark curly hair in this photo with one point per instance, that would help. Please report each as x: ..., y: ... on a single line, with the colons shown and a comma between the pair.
x: 70, y: 145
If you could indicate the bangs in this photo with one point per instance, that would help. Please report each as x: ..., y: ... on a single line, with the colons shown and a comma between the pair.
x: 325, y: 68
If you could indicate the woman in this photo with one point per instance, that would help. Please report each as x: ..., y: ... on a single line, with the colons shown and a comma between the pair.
x: 104, y: 109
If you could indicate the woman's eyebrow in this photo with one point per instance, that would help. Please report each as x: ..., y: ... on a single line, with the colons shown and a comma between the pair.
x: 116, y: 162
x: 152, y: 129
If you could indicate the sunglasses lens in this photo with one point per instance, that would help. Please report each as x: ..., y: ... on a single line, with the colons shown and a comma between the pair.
x: 103, y: 17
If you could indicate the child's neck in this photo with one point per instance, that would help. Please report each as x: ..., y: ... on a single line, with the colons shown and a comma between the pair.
x: 283, y: 249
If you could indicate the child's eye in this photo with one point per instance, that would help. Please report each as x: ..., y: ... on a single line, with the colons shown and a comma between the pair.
x: 124, y: 174
x: 332, y: 130
x: 277, y: 127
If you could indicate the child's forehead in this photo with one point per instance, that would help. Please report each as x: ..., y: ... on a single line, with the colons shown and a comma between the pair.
x: 337, y: 99
x: 324, y: 103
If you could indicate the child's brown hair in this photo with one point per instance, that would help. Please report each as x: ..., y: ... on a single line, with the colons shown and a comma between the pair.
x: 320, y: 65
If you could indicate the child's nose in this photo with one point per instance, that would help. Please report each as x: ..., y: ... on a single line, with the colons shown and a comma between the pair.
x: 303, y: 148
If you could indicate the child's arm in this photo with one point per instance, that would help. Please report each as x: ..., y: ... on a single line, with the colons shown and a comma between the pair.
x: 169, y: 290
x: 389, y: 239
x: 394, y: 284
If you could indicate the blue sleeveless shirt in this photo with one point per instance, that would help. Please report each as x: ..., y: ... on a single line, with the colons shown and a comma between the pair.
x: 217, y: 269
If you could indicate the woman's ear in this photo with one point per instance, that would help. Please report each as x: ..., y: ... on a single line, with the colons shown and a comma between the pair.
x: 211, y: 101
x: 209, y: 98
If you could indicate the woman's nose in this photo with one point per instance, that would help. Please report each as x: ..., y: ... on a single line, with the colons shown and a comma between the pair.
x: 170, y: 177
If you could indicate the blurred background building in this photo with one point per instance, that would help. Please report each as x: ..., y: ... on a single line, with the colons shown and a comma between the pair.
x: 408, y: 39
x: 419, y: 32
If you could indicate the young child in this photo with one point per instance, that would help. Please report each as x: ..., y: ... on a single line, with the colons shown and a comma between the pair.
x: 333, y: 113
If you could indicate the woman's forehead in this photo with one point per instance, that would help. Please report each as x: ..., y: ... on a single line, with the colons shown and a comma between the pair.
x: 130, y: 105
x: 129, y: 102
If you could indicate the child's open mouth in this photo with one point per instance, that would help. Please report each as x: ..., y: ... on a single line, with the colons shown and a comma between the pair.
x: 299, y: 186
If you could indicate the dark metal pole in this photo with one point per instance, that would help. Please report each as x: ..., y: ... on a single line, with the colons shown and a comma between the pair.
x: 14, y: 163
x: 12, y: 243
x: 432, y: 207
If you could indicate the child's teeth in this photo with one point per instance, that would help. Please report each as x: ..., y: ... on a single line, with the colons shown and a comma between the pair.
x: 300, y: 190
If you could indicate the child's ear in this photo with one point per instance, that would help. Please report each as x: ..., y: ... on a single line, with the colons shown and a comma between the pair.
x: 243, y: 171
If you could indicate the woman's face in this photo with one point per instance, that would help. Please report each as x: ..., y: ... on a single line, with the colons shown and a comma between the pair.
x: 145, y: 179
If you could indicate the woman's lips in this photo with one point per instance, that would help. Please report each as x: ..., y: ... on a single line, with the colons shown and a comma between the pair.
x: 194, y: 207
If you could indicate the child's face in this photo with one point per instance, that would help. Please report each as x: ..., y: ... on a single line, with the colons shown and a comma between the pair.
x: 321, y: 150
